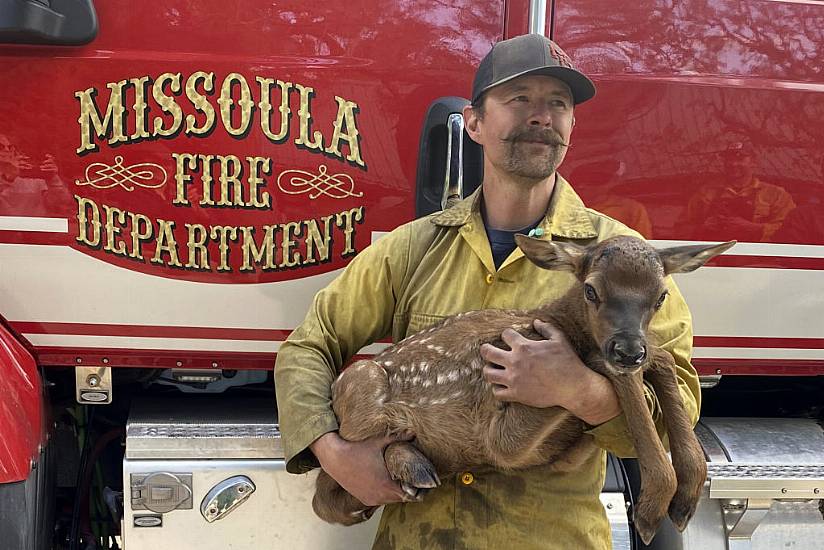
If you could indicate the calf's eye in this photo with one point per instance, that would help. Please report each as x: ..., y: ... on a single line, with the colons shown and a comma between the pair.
x: 590, y: 293
x: 661, y: 300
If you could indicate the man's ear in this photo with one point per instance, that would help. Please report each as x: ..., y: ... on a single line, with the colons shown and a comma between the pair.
x: 552, y: 255
x: 683, y: 259
x: 471, y: 121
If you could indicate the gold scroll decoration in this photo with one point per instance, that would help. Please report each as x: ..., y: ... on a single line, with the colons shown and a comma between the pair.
x: 337, y: 186
x: 146, y: 175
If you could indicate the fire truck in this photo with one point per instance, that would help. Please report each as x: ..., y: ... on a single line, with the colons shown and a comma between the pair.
x: 178, y: 178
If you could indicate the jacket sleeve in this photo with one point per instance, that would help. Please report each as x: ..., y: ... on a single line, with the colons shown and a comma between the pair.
x: 355, y: 310
x: 672, y: 329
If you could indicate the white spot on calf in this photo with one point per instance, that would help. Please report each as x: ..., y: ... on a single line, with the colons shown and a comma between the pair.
x: 426, y: 383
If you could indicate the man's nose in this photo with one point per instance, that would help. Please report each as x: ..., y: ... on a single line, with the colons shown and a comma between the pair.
x: 541, y: 115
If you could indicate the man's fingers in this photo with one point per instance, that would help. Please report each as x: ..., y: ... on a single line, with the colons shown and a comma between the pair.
x: 502, y: 393
x: 512, y: 337
x: 545, y: 329
x: 495, y: 375
x: 492, y: 354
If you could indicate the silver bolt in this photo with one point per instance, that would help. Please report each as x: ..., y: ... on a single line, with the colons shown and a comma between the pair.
x: 179, y: 363
x: 93, y: 381
x: 213, y: 511
x: 105, y: 360
x: 609, y: 506
x: 784, y: 490
x: 717, y: 371
x: 214, y: 364
x: 816, y: 490
x: 78, y: 360
x: 241, y: 489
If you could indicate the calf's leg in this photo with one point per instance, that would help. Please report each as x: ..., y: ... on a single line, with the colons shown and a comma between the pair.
x: 333, y: 504
x: 357, y: 399
x: 687, y: 455
x: 408, y: 465
x: 657, y: 476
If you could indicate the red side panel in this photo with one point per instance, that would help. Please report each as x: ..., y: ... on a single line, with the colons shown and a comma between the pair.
x: 21, y: 409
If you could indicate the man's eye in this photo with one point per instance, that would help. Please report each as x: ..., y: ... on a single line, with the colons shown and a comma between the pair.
x: 520, y: 98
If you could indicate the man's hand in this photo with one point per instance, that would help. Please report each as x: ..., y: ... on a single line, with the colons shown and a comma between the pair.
x: 548, y: 373
x: 359, y: 467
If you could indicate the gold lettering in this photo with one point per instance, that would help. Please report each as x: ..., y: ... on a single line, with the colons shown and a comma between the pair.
x: 290, y: 257
x: 84, y: 205
x: 167, y: 103
x: 265, y: 254
x: 314, y: 240
x: 206, y: 180
x: 265, y: 106
x: 227, y: 177
x: 346, y: 220
x: 141, y: 126
x: 181, y: 177
x: 225, y: 233
x: 138, y: 236
x: 245, y: 102
x: 166, y: 243
x: 113, y: 123
x: 113, y: 232
x: 198, y: 253
x: 346, y: 117
x: 305, y: 115
x: 200, y: 103
x: 256, y: 165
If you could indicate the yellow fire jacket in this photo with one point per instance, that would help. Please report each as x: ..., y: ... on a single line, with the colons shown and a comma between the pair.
x: 420, y: 273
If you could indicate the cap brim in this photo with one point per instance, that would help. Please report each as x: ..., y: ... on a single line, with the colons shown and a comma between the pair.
x: 581, y: 87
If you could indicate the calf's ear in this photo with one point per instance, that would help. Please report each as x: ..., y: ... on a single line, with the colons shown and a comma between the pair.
x: 683, y: 259
x: 552, y: 255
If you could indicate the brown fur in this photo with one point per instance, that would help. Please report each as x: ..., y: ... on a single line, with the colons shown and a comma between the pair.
x: 431, y: 386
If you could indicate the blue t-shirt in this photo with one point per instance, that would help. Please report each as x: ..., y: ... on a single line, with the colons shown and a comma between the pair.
x: 502, y: 242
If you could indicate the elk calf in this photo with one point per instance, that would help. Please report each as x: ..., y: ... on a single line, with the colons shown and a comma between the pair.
x: 430, y: 386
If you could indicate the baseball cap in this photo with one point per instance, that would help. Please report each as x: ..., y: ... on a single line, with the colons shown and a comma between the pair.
x: 526, y: 55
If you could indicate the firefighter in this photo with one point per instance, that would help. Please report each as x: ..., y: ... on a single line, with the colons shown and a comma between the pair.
x: 522, y: 113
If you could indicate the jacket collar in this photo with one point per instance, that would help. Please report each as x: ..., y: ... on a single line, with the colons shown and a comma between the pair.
x: 566, y: 216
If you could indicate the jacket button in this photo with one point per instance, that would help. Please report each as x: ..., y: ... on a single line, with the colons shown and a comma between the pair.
x: 489, y: 278
x: 467, y: 478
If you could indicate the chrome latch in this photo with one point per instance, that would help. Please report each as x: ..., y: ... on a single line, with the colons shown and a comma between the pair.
x: 161, y: 492
x: 93, y: 385
x: 225, y: 497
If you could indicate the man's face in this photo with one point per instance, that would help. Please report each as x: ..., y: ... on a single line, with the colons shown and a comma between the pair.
x: 739, y: 168
x: 526, y: 126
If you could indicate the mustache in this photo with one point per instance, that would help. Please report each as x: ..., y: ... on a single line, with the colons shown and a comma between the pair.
x: 546, y: 135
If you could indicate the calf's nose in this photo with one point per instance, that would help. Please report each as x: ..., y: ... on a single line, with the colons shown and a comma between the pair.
x: 627, y: 353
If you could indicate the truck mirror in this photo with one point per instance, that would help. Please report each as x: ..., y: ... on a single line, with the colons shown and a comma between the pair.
x: 61, y: 22
x: 450, y: 164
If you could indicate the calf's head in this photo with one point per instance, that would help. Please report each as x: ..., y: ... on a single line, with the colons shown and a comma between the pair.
x: 622, y: 286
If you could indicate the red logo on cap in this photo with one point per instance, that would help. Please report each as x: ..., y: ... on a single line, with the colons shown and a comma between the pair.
x: 560, y: 55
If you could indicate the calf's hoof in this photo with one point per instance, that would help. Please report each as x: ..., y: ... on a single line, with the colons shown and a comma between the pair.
x: 646, y: 530
x: 411, y: 468
x: 682, y: 508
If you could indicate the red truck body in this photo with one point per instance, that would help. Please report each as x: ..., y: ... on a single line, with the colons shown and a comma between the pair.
x: 173, y: 193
